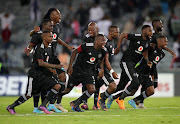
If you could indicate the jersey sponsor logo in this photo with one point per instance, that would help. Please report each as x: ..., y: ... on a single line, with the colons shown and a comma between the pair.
x: 54, y: 36
x: 113, y: 51
x: 92, y: 59
x: 140, y: 48
x: 157, y: 58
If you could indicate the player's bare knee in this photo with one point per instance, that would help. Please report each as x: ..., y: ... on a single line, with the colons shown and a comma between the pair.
x: 113, y: 86
x: 57, y: 87
x: 91, y: 90
x: 62, y: 77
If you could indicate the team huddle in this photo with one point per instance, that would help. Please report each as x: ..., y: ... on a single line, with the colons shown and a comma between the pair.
x: 90, y: 64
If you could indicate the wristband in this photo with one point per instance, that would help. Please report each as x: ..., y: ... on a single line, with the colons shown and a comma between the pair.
x: 111, y: 70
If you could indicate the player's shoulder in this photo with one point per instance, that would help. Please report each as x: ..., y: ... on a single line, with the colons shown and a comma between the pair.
x: 36, y: 34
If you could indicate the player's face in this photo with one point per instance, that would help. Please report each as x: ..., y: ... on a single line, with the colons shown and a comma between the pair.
x: 49, y: 37
x: 164, y: 42
x: 159, y: 26
x: 101, y: 42
x: 57, y: 16
x: 115, y: 33
x: 148, y: 32
x: 49, y: 26
x: 92, y: 30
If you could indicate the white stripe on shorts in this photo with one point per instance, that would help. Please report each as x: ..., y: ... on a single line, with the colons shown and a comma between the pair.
x: 105, y: 80
x: 127, y: 71
x: 30, y: 86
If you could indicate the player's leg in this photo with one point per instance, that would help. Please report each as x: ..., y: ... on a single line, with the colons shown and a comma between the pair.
x: 85, y: 105
x: 22, y: 98
x: 149, y: 90
x: 49, y: 82
x: 122, y: 83
x: 96, y: 94
x: 132, y: 75
x: 36, y: 101
x: 108, y: 80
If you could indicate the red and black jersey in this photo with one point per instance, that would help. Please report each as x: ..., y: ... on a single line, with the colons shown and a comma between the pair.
x: 135, y: 49
x: 87, y: 58
x: 155, y: 56
x: 42, y: 53
x: 55, y: 37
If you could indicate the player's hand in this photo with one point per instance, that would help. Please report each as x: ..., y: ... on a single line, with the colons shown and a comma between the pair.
x: 69, y: 71
x: 174, y: 54
x: 100, y: 75
x: 36, y: 28
x: 59, y: 66
x: 53, y: 71
x: 71, y: 48
x: 155, y: 84
x: 115, y: 75
x: 153, y: 45
x: 149, y: 63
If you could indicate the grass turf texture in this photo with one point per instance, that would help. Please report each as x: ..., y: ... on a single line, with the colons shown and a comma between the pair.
x: 159, y: 111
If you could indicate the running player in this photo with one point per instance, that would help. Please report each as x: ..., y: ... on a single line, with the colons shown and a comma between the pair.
x: 145, y: 73
x: 136, y: 50
x: 82, y: 71
x: 107, y: 79
x: 158, y: 27
x: 39, y: 76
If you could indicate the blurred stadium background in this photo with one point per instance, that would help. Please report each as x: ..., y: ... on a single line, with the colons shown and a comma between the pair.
x: 128, y: 15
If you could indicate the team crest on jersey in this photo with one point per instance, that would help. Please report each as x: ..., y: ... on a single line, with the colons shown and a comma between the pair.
x: 54, y: 36
x: 140, y: 48
x: 157, y: 58
x: 99, y: 55
x: 92, y: 59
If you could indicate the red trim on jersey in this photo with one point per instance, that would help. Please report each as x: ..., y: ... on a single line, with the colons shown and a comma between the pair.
x: 33, y: 44
x: 127, y: 36
x: 79, y: 49
x: 39, y: 59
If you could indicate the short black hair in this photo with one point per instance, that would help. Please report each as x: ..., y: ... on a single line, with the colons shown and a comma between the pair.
x: 45, y: 21
x: 112, y: 27
x: 99, y: 35
x: 145, y: 26
x: 47, y: 16
x: 155, y: 20
x: 161, y: 36
x: 44, y: 33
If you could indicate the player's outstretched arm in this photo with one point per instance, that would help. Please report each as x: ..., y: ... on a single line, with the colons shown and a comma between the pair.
x: 70, y: 69
x: 36, y: 29
x: 108, y: 65
x: 101, y: 73
x: 122, y: 36
x: 64, y: 44
x: 48, y: 65
x: 170, y: 51
x: 145, y: 55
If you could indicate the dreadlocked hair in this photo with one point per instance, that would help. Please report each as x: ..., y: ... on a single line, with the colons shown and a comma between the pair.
x: 47, y: 16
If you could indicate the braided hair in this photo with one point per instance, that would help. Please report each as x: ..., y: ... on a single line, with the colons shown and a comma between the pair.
x: 47, y: 16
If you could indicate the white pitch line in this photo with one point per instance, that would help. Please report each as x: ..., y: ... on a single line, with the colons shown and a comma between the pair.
x: 45, y: 115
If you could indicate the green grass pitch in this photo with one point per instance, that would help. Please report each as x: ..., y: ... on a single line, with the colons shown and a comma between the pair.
x: 159, y: 111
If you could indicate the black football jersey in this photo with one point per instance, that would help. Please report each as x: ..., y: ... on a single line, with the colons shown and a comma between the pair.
x: 154, y: 37
x: 135, y: 49
x: 88, y: 39
x: 88, y: 57
x: 110, y: 45
x: 42, y: 53
x: 36, y: 39
x: 55, y: 37
x: 155, y: 56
